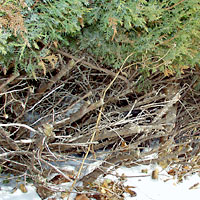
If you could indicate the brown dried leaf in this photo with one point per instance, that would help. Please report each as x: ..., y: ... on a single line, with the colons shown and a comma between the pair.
x: 131, y: 192
x: 23, y: 188
x: 81, y: 197
x: 58, y: 179
x: 41, y: 63
x: 124, y: 146
x: 52, y: 59
x: 154, y: 174
x: 113, y: 24
x: 44, y: 192
x: 182, y: 68
x: 172, y: 172
x: 168, y: 72
x: 81, y: 21
x: 55, y: 44
x: 186, y: 167
x: 144, y: 171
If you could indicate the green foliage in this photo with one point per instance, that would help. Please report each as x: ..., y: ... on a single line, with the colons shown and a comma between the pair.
x: 6, y: 181
x: 163, y: 34
x: 29, y: 28
x: 3, y: 42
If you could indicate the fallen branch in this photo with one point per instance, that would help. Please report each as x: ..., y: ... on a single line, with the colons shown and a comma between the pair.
x: 86, y: 108
x: 10, y: 142
x: 9, y: 80
x: 87, y: 64
x: 20, y: 125
x: 54, y: 79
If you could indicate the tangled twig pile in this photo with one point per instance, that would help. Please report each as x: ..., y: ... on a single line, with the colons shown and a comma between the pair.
x: 51, y: 121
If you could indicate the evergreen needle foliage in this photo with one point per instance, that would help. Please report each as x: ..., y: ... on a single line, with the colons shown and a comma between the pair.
x: 164, y: 35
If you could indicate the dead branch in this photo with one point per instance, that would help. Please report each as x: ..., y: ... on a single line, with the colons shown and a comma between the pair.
x: 6, y: 136
x: 54, y: 79
x: 20, y: 125
x: 87, y: 111
x: 166, y: 108
x: 9, y: 80
x: 87, y: 64
x: 86, y: 108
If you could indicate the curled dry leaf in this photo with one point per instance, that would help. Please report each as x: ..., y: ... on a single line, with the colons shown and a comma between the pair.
x: 44, y: 192
x: 172, y: 172
x: 58, y: 179
x: 131, y: 192
x: 154, y: 174
x: 81, y: 197
x: 23, y: 188
x: 42, y: 64
x: 124, y: 146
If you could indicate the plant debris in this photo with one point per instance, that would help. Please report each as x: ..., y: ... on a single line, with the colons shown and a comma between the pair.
x: 75, y: 111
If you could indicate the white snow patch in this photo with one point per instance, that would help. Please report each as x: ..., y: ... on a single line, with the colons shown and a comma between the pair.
x: 165, y: 188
